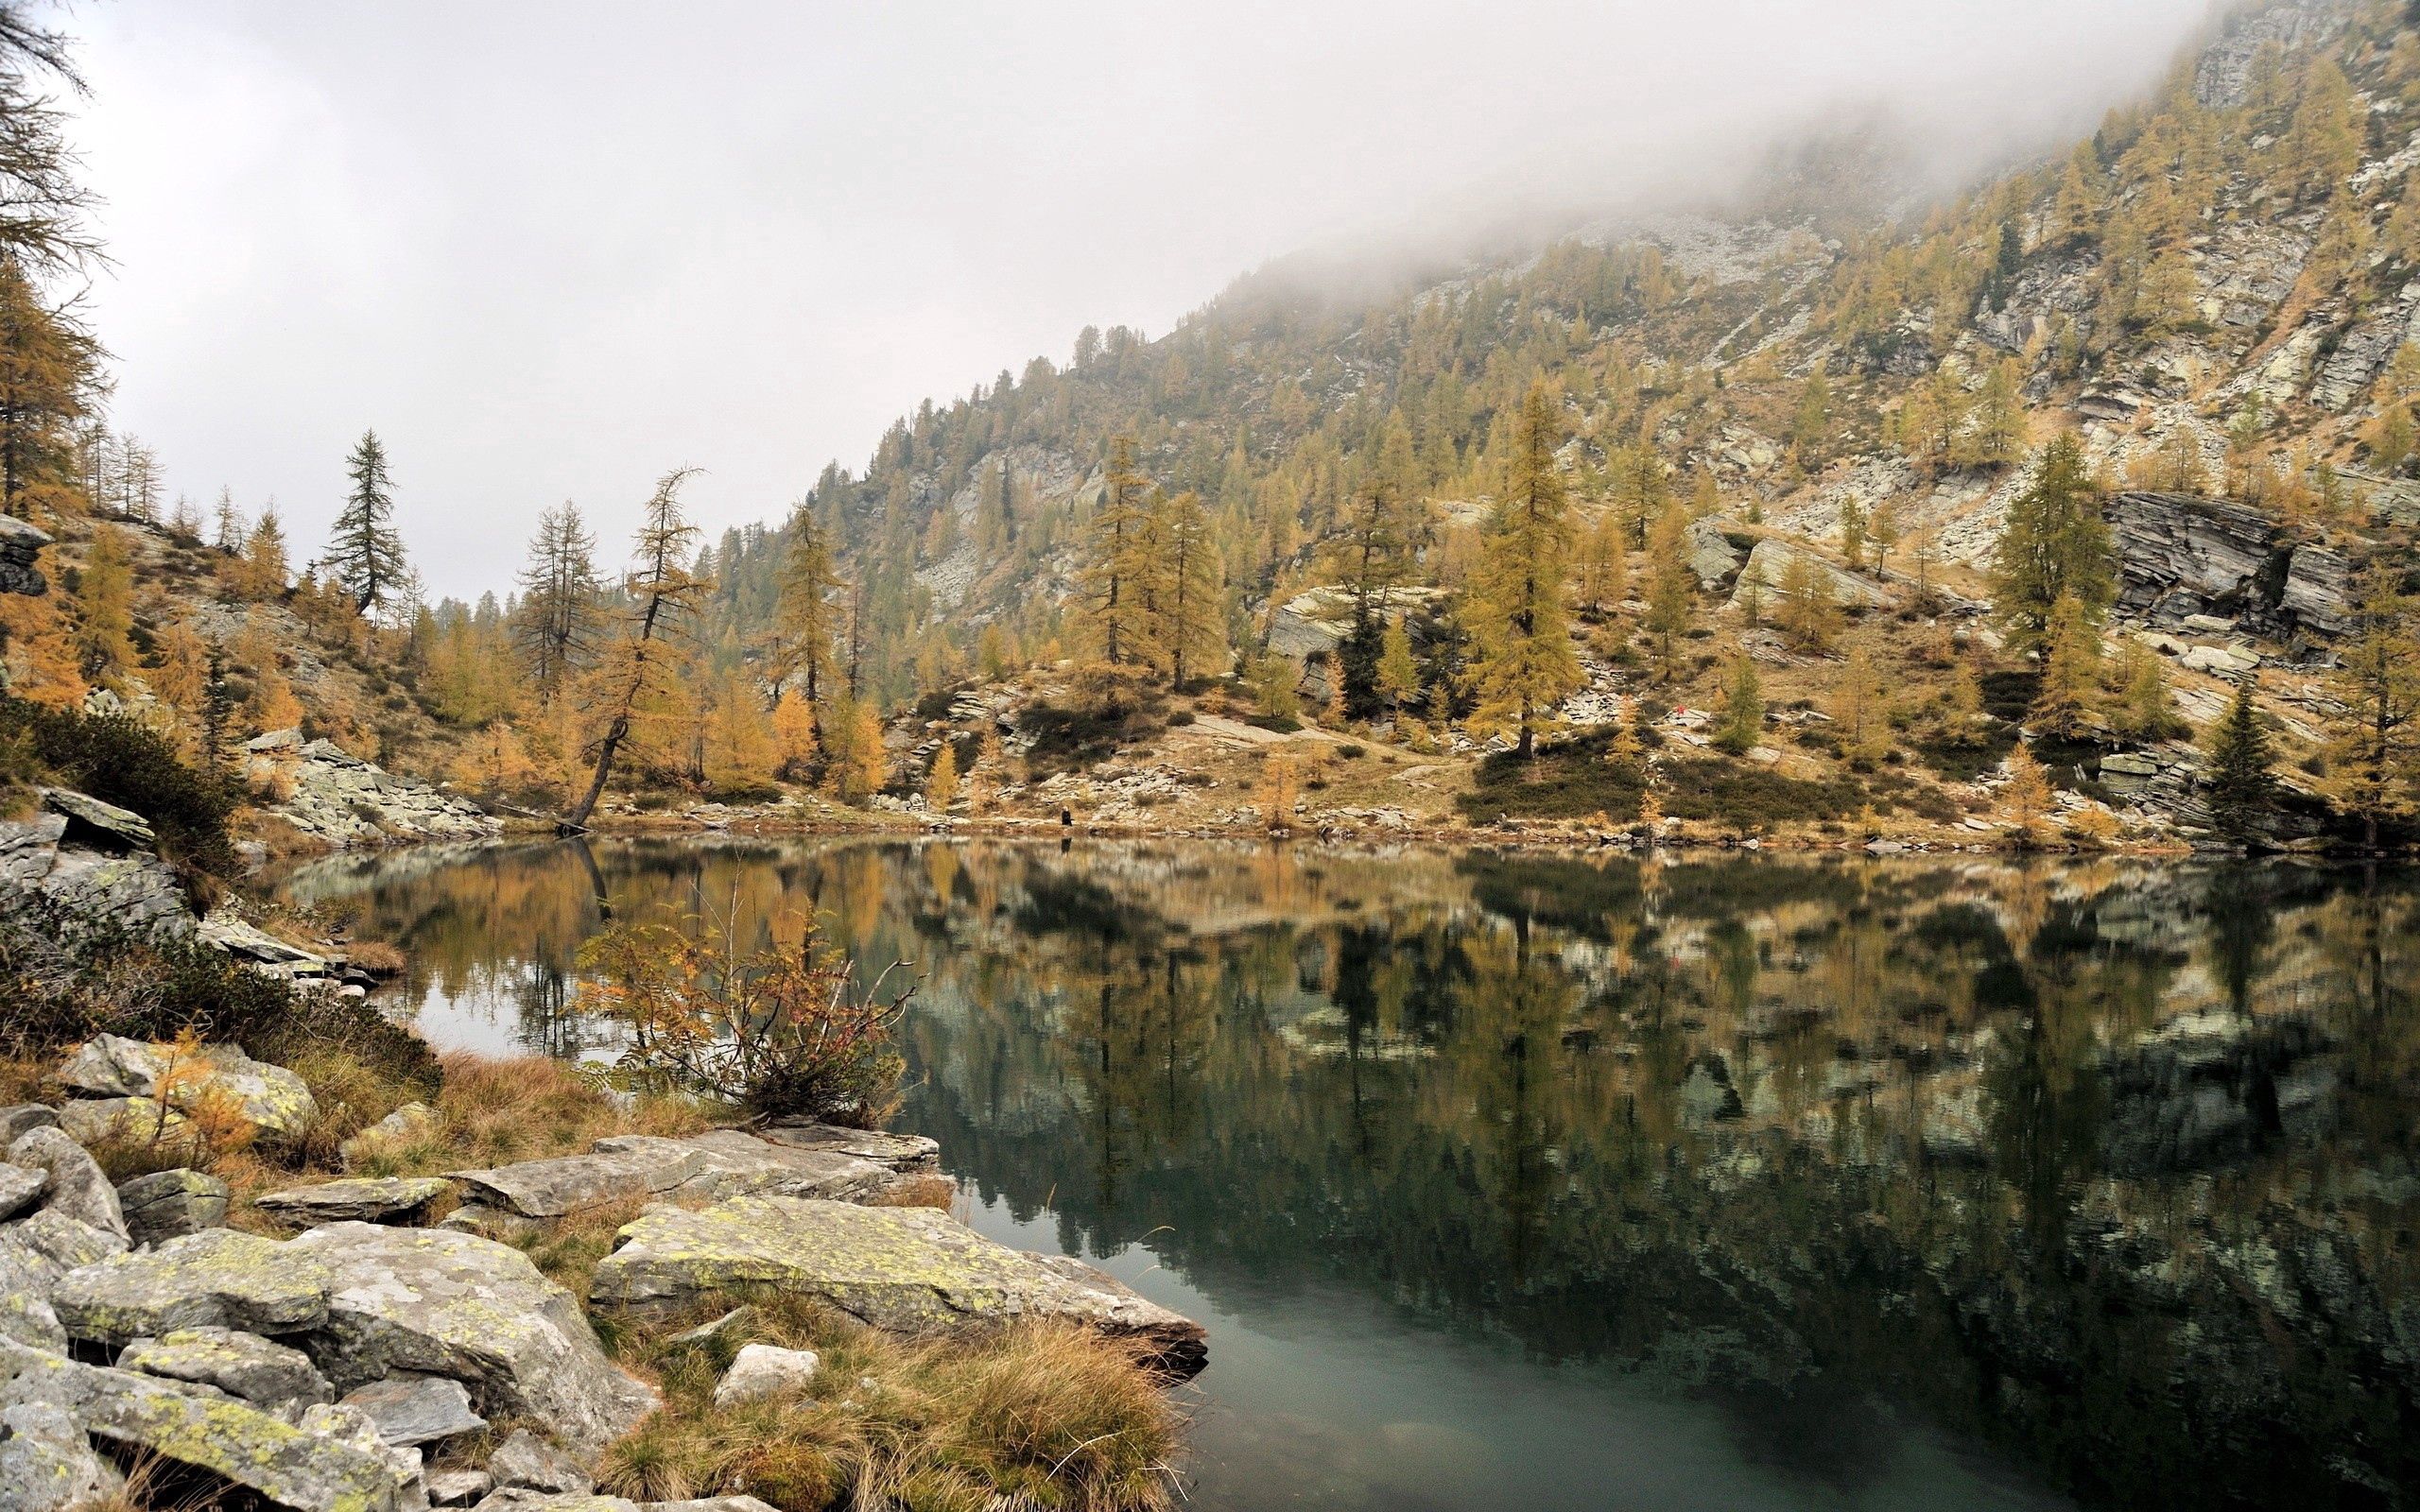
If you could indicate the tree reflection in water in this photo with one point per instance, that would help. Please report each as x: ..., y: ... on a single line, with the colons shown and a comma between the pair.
x: 2108, y: 1164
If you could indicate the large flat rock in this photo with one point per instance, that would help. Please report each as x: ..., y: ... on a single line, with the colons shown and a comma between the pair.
x: 367, y: 1199
x: 215, y: 1279
x: 722, y: 1163
x: 287, y: 1466
x: 241, y: 1364
x: 908, y: 1269
x: 452, y: 1304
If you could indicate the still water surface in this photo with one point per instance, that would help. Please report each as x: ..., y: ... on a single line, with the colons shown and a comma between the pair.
x: 1723, y: 1182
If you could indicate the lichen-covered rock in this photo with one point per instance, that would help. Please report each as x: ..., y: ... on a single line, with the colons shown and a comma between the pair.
x: 287, y: 1466
x: 20, y: 543
x: 724, y: 1162
x: 761, y: 1370
x: 259, y: 1371
x: 91, y: 872
x: 214, y: 1278
x: 365, y: 1200
x: 522, y: 1499
x: 1710, y: 555
x: 76, y: 1187
x: 64, y: 1242
x: 909, y: 1269
x: 166, y: 1204
x: 354, y: 1428
x: 453, y: 1304
x: 1769, y: 565
x: 526, y: 1462
x: 46, y: 1464
x: 345, y: 801
x: 413, y: 1120
x: 272, y: 1099
x: 908, y: 1154
x: 411, y: 1410
x: 134, y: 1121
x: 20, y: 1118
x: 19, y: 1186
x: 26, y: 1277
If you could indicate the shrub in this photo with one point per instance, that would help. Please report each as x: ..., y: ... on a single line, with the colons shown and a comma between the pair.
x: 781, y: 1033
x: 120, y: 761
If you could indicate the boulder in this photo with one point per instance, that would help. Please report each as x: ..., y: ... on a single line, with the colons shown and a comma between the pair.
x: 19, y: 1186
x: 1709, y: 553
x: 762, y: 1370
x: 130, y: 1121
x: 25, y: 1313
x: 723, y: 1162
x: 21, y: 544
x: 90, y: 821
x: 287, y: 1466
x: 214, y: 1278
x: 352, y: 1427
x: 453, y: 1304
x: 908, y: 1154
x: 225, y: 930
x: 459, y: 1488
x: 74, y: 1186
x: 166, y: 1204
x: 272, y: 1099
x: 241, y: 1364
x: 367, y: 1199
x: 519, y: 1499
x: 64, y: 1242
x: 908, y: 1269
x: 22, y: 1118
x: 46, y: 1464
x: 91, y: 876
x: 410, y: 1121
x: 1769, y: 564
x: 412, y: 1410
x: 526, y: 1462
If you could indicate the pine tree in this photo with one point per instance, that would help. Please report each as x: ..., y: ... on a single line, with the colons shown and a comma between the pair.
x: 1526, y: 664
x: 2053, y: 545
x: 1743, y: 708
x: 2237, y: 766
x: 2374, y: 739
x: 365, y: 552
x: 663, y: 594
x: 562, y: 605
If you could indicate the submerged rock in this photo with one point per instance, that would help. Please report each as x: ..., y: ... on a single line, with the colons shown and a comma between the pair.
x: 241, y: 1364
x: 287, y: 1464
x: 368, y: 1199
x: 908, y: 1269
x: 453, y: 1304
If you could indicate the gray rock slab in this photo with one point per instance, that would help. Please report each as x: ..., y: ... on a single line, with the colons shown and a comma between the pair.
x: 46, y: 1464
x: 77, y: 1188
x: 412, y: 1410
x: 364, y: 1199
x: 166, y: 1204
x: 259, y: 1371
x: 19, y: 1186
x: 527, y: 1462
x: 214, y: 1278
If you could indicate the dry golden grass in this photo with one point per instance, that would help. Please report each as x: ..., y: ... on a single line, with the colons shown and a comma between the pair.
x: 1039, y: 1415
x: 917, y: 1192
x: 377, y: 957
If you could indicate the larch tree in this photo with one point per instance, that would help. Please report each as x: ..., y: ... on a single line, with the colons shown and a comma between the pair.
x: 48, y: 380
x: 562, y: 609
x: 365, y: 552
x: 804, y: 615
x: 1860, y: 708
x: 1116, y: 578
x: 1526, y: 666
x: 1808, y: 614
x: 2054, y: 545
x: 1743, y: 707
x: 1996, y: 435
x: 2374, y: 739
x: 1191, y: 597
x: 105, y: 598
x: 1671, y: 589
x: 1399, y: 671
x: 663, y: 595
x: 260, y: 574
x: 2070, y: 670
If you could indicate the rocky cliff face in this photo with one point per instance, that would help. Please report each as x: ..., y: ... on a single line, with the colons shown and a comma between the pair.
x: 96, y: 859
x: 2181, y: 558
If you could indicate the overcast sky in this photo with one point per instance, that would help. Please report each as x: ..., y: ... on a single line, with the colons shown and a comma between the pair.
x: 550, y: 250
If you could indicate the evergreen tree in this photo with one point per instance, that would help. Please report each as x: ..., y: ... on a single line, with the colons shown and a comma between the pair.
x: 48, y: 380
x: 663, y: 594
x: 1192, y: 599
x: 365, y: 552
x: 1117, y: 577
x: 562, y: 605
x: 2054, y: 545
x: 805, y: 616
x: 1526, y: 664
x: 2237, y: 766
x: 1743, y: 708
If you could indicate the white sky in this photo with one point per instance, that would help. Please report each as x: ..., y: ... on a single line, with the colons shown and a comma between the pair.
x: 551, y: 249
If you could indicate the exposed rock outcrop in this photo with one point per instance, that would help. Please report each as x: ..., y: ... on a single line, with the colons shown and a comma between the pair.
x: 364, y: 1199
x: 724, y: 1162
x: 345, y: 801
x: 910, y: 1269
x: 271, y: 1099
x: 1769, y: 565
x: 262, y: 1372
x: 96, y: 860
x: 2180, y: 555
x: 20, y: 543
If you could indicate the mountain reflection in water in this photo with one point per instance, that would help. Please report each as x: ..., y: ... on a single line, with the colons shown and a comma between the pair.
x: 1514, y: 1181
